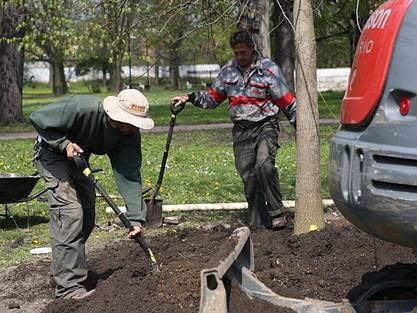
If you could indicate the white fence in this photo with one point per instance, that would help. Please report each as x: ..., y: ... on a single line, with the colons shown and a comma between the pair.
x: 327, y: 78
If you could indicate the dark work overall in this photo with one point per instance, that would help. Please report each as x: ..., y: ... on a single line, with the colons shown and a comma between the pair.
x: 255, y: 147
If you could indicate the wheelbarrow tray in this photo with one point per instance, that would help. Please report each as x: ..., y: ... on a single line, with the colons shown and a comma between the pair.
x: 16, y: 187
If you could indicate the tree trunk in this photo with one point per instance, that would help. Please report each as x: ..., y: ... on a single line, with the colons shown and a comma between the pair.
x: 59, y: 83
x: 116, y: 75
x: 11, y: 66
x: 157, y: 74
x: 156, y: 67
x: 308, y: 204
x: 148, y: 76
x: 255, y: 18
x: 51, y: 76
x: 174, y: 73
x: 104, y: 78
x: 283, y: 40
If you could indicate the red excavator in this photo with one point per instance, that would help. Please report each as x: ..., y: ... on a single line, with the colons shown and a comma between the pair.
x: 373, y: 156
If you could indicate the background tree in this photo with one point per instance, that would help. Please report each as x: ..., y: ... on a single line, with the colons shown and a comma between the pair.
x: 166, y: 26
x: 308, y: 204
x: 51, y: 35
x: 11, y: 62
x: 191, y: 32
x: 338, y: 28
x: 112, y: 20
x: 282, y: 38
x: 255, y: 18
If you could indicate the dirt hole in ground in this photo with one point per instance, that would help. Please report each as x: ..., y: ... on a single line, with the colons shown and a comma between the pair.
x: 336, y: 263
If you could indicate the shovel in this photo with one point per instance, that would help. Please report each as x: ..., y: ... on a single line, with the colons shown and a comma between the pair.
x: 154, y: 211
x: 84, y: 167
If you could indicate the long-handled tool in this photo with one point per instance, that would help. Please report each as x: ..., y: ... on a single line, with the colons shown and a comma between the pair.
x: 85, y: 168
x: 174, y: 111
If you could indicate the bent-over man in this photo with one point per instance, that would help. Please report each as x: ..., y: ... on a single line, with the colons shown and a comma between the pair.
x: 85, y: 124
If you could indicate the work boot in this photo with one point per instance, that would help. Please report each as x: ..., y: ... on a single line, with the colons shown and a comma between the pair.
x: 279, y: 222
x: 83, y: 295
x: 79, y: 294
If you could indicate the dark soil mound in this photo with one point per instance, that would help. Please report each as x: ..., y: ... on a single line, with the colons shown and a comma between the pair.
x: 331, y: 264
x: 323, y: 265
x: 125, y: 282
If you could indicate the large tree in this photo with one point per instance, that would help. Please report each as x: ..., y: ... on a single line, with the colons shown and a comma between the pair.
x: 309, y: 210
x: 11, y: 62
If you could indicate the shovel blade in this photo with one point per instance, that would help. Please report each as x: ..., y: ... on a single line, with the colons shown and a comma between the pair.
x: 154, y: 213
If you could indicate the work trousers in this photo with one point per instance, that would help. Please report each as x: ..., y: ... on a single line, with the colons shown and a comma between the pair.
x: 255, y: 149
x: 72, y: 216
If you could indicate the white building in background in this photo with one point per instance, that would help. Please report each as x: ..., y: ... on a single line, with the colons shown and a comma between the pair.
x: 327, y: 79
x: 332, y: 78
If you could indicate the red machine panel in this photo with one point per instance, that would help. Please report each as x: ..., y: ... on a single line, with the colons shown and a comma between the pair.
x: 371, y: 62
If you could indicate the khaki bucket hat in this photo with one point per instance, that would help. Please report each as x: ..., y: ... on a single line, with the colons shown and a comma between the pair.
x: 130, y: 107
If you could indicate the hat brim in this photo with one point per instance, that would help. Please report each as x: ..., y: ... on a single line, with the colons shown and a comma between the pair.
x: 111, y: 106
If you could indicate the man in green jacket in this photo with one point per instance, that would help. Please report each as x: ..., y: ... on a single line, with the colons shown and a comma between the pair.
x: 85, y: 124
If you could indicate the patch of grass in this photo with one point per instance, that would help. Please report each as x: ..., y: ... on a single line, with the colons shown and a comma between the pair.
x: 200, y: 169
x: 159, y: 99
x: 329, y: 104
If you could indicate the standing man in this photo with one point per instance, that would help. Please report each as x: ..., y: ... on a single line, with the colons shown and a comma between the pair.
x: 85, y: 124
x: 256, y: 90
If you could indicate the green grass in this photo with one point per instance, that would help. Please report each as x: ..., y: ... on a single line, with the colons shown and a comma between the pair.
x: 159, y: 99
x: 200, y: 169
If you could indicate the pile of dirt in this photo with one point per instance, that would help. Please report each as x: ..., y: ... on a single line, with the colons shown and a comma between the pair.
x: 25, y: 289
x: 125, y: 282
x: 331, y: 264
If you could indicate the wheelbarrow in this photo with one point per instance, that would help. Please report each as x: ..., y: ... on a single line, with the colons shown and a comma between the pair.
x: 239, y: 265
x: 15, y: 188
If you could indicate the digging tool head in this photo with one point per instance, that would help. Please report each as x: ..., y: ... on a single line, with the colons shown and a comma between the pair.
x: 175, y: 109
x: 82, y: 164
x: 148, y: 252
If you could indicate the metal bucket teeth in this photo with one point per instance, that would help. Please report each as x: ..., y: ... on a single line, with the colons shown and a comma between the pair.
x: 239, y: 265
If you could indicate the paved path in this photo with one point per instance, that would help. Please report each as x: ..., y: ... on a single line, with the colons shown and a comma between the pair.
x: 158, y: 129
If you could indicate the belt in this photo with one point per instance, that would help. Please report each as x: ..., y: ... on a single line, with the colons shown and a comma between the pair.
x: 250, y: 124
x: 43, y: 144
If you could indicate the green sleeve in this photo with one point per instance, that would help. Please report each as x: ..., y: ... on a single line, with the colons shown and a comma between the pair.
x: 54, y: 122
x: 126, y: 163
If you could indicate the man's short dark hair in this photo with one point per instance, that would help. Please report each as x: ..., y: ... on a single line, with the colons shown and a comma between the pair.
x: 241, y: 37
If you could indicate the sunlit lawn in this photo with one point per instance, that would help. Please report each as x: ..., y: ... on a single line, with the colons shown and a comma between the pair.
x: 200, y: 169
x: 159, y: 99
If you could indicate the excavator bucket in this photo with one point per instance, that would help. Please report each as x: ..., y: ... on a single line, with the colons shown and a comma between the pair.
x: 239, y: 265
x: 216, y: 280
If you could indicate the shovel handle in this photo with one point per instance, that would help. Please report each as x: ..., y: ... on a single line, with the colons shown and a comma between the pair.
x: 164, y: 158
x: 84, y: 167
